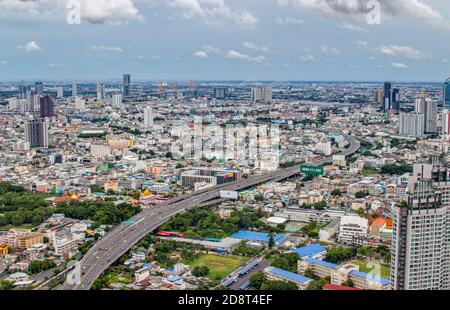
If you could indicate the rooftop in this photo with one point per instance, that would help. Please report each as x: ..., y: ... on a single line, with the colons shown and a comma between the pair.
x: 310, y: 250
x: 290, y: 276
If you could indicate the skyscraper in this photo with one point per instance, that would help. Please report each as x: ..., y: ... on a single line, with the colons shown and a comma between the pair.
x: 100, y: 91
x: 59, y: 92
x: 421, y: 235
x: 261, y: 94
x: 430, y: 116
x: 126, y: 85
x: 386, y: 104
x: 220, y: 92
x: 22, y: 91
x: 74, y: 89
x: 446, y: 122
x: 117, y: 100
x: 148, y: 117
x: 39, y: 88
x: 36, y: 132
x: 446, y: 101
x: 412, y: 124
x: 377, y: 96
x: 395, y: 99
x: 46, y: 107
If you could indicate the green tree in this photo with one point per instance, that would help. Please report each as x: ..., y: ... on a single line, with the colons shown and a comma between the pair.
x: 257, y: 280
x: 200, y: 271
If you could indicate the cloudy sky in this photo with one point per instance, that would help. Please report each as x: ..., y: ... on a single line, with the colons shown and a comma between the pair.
x: 225, y: 39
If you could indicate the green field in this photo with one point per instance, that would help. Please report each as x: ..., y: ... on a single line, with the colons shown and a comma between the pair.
x: 385, y: 270
x: 219, y: 266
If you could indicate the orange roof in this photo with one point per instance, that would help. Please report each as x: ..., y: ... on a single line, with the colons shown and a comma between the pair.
x: 389, y: 223
x: 379, y: 221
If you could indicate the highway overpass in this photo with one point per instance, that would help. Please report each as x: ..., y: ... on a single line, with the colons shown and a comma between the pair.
x: 120, y: 240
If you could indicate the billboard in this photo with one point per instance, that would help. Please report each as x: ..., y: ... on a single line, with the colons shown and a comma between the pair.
x: 229, y: 194
x: 311, y: 170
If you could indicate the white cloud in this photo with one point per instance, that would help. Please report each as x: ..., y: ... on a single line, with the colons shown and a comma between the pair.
x: 96, y: 12
x: 31, y: 46
x: 255, y: 47
x: 330, y: 50
x: 58, y: 65
x: 232, y: 54
x: 445, y: 60
x: 107, y: 48
x: 307, y: 57
x: 356, y: 10
x: 353, y: 27
x: 407, y: 51
x: 148, y: 57
x: 201, y: 54
x: 3, y: 62
x: 289, y: 21
x: 399, y: 65
x: 211, y: 11
x: 363, y: 44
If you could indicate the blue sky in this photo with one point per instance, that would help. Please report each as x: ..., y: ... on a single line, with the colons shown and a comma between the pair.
x: 226, y: 39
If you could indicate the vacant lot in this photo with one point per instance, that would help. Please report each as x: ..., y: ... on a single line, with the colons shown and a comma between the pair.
x: 219, y: 266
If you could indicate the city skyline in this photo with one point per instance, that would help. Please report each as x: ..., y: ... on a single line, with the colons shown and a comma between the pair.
x: 298, y: 40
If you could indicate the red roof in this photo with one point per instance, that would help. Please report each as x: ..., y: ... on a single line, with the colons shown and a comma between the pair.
x: 334, y: 287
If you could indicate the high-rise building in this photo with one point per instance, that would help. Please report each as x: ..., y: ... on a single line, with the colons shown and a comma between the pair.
x: 377, y: 96
x: 80, y: 103
x: 446, y: 100
x: 100, y: 91
x: 46, y: 107
x: 412, y: 124
x: 386, y: 104
x: 22, y: 91
x: 59, y: 92
x: 220, y: 92
x: 148, y: 117
x: 74, y: 89
x: 36, y: 132
x: 39, y: 88
x: 446, y: 122
x: 430, y: 116
x: 117, y: 100
x: 395, y: 99
x: 261, y: 94
x: 126, y: 85
x: 421, y: 235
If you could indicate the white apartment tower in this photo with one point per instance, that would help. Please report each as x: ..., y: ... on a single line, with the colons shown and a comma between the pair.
x: 261, y: 94
x: 148, y: 117
x: 421, y: 234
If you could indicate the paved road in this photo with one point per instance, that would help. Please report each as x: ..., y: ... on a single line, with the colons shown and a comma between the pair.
x: 116, y: 243
x: 241, y: 280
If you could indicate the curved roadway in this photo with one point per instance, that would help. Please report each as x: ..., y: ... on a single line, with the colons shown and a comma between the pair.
x: 117, y: 242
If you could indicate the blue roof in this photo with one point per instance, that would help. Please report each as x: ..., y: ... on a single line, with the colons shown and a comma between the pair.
x: 370, y: 277
x: 321, y: 263
x: 310, y: 250
x: 290, y: 276
x: 256, y: 236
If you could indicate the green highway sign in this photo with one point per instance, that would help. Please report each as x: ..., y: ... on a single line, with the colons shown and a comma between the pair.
x: 311, y: 170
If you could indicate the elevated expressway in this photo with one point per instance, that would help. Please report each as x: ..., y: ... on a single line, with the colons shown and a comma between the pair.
x: 120, y: 240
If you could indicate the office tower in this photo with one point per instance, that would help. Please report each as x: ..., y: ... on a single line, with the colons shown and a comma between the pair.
x: 261, y: 94
x: 59, y: 92
x: 74, y: 89
x: 100, y: 91
x: 377, y: 96
x: 446, y: 122
x: 22, y: 91
x: 395, y: 99
x: 46, y: 107
x: 220, y: 92
x: 117, y: 100
x: 36, y: 132
x: 35, y: 103
x: 148, y: 117
x: 126, y: 85
x: 421, y: 236
x: 446, y: 100
x: 412, y: 124
x: 386, y: 104
x: 430, y: 116
x: 39, y: 88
